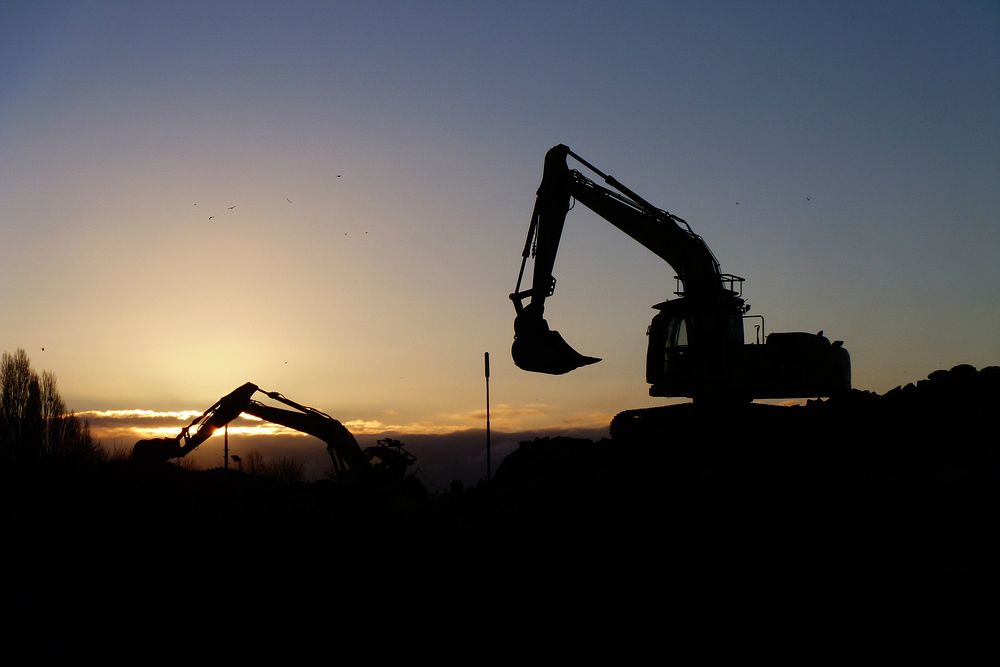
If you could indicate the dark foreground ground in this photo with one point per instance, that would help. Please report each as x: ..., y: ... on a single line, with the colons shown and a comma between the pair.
x: 861, y: 529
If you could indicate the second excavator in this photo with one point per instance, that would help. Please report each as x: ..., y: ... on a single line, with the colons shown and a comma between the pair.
x: 696, y: 341
x: 387, y: 461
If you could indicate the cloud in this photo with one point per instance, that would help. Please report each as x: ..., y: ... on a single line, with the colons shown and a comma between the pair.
x: 451, y: 448
x: 501, y: 412
x: 461, y: 455
x: 185, y: 415
x: 502, y: 417
x: 441, y: 458
x: 530, y: 415
x: 137, y: 424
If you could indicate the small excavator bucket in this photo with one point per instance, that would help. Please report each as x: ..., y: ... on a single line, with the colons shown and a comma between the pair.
x: 156, y: 450
x: 541, y: 350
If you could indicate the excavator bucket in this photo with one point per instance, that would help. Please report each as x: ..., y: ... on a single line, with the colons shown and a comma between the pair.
x: 541, y: 350
x: 156, y: 450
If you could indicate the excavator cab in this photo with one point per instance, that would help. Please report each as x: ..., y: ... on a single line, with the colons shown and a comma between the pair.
x: 698, y: 353
x: 389, y: 460
x: 693, y: 345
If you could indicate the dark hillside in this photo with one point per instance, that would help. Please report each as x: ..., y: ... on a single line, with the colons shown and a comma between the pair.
x: 855, y: 528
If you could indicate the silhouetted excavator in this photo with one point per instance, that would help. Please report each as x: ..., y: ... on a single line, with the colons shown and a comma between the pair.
x: 696, y: 341
x: 388, y: 461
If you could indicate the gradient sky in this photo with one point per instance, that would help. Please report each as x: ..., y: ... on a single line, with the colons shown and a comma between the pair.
x: 861, y: 140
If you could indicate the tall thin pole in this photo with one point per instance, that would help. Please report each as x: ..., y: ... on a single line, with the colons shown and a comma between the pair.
x: 489, y: 463
x: 225, y: 449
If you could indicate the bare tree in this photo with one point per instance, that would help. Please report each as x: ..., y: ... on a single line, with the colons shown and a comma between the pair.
x: 34, y: 423
x: 15, y: 387
x: 285, y: 470
x: 53, y: 415
x: 254, y: 463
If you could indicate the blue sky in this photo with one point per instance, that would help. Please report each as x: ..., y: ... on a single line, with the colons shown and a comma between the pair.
x: 860, y: 140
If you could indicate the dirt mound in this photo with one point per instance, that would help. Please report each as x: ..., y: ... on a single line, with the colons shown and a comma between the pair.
x: 949, y: 407
x: 861, y: 520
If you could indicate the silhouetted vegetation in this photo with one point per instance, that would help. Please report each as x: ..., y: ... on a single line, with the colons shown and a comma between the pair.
x: 35, y: 425
x: 284, y: 469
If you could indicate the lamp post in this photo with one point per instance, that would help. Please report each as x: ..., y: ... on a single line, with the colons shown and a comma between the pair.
x: 489, y: 463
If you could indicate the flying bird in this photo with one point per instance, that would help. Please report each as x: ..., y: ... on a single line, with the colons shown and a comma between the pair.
x: 288, y: 200
x: 231, y: 208
x: 210, y: 217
